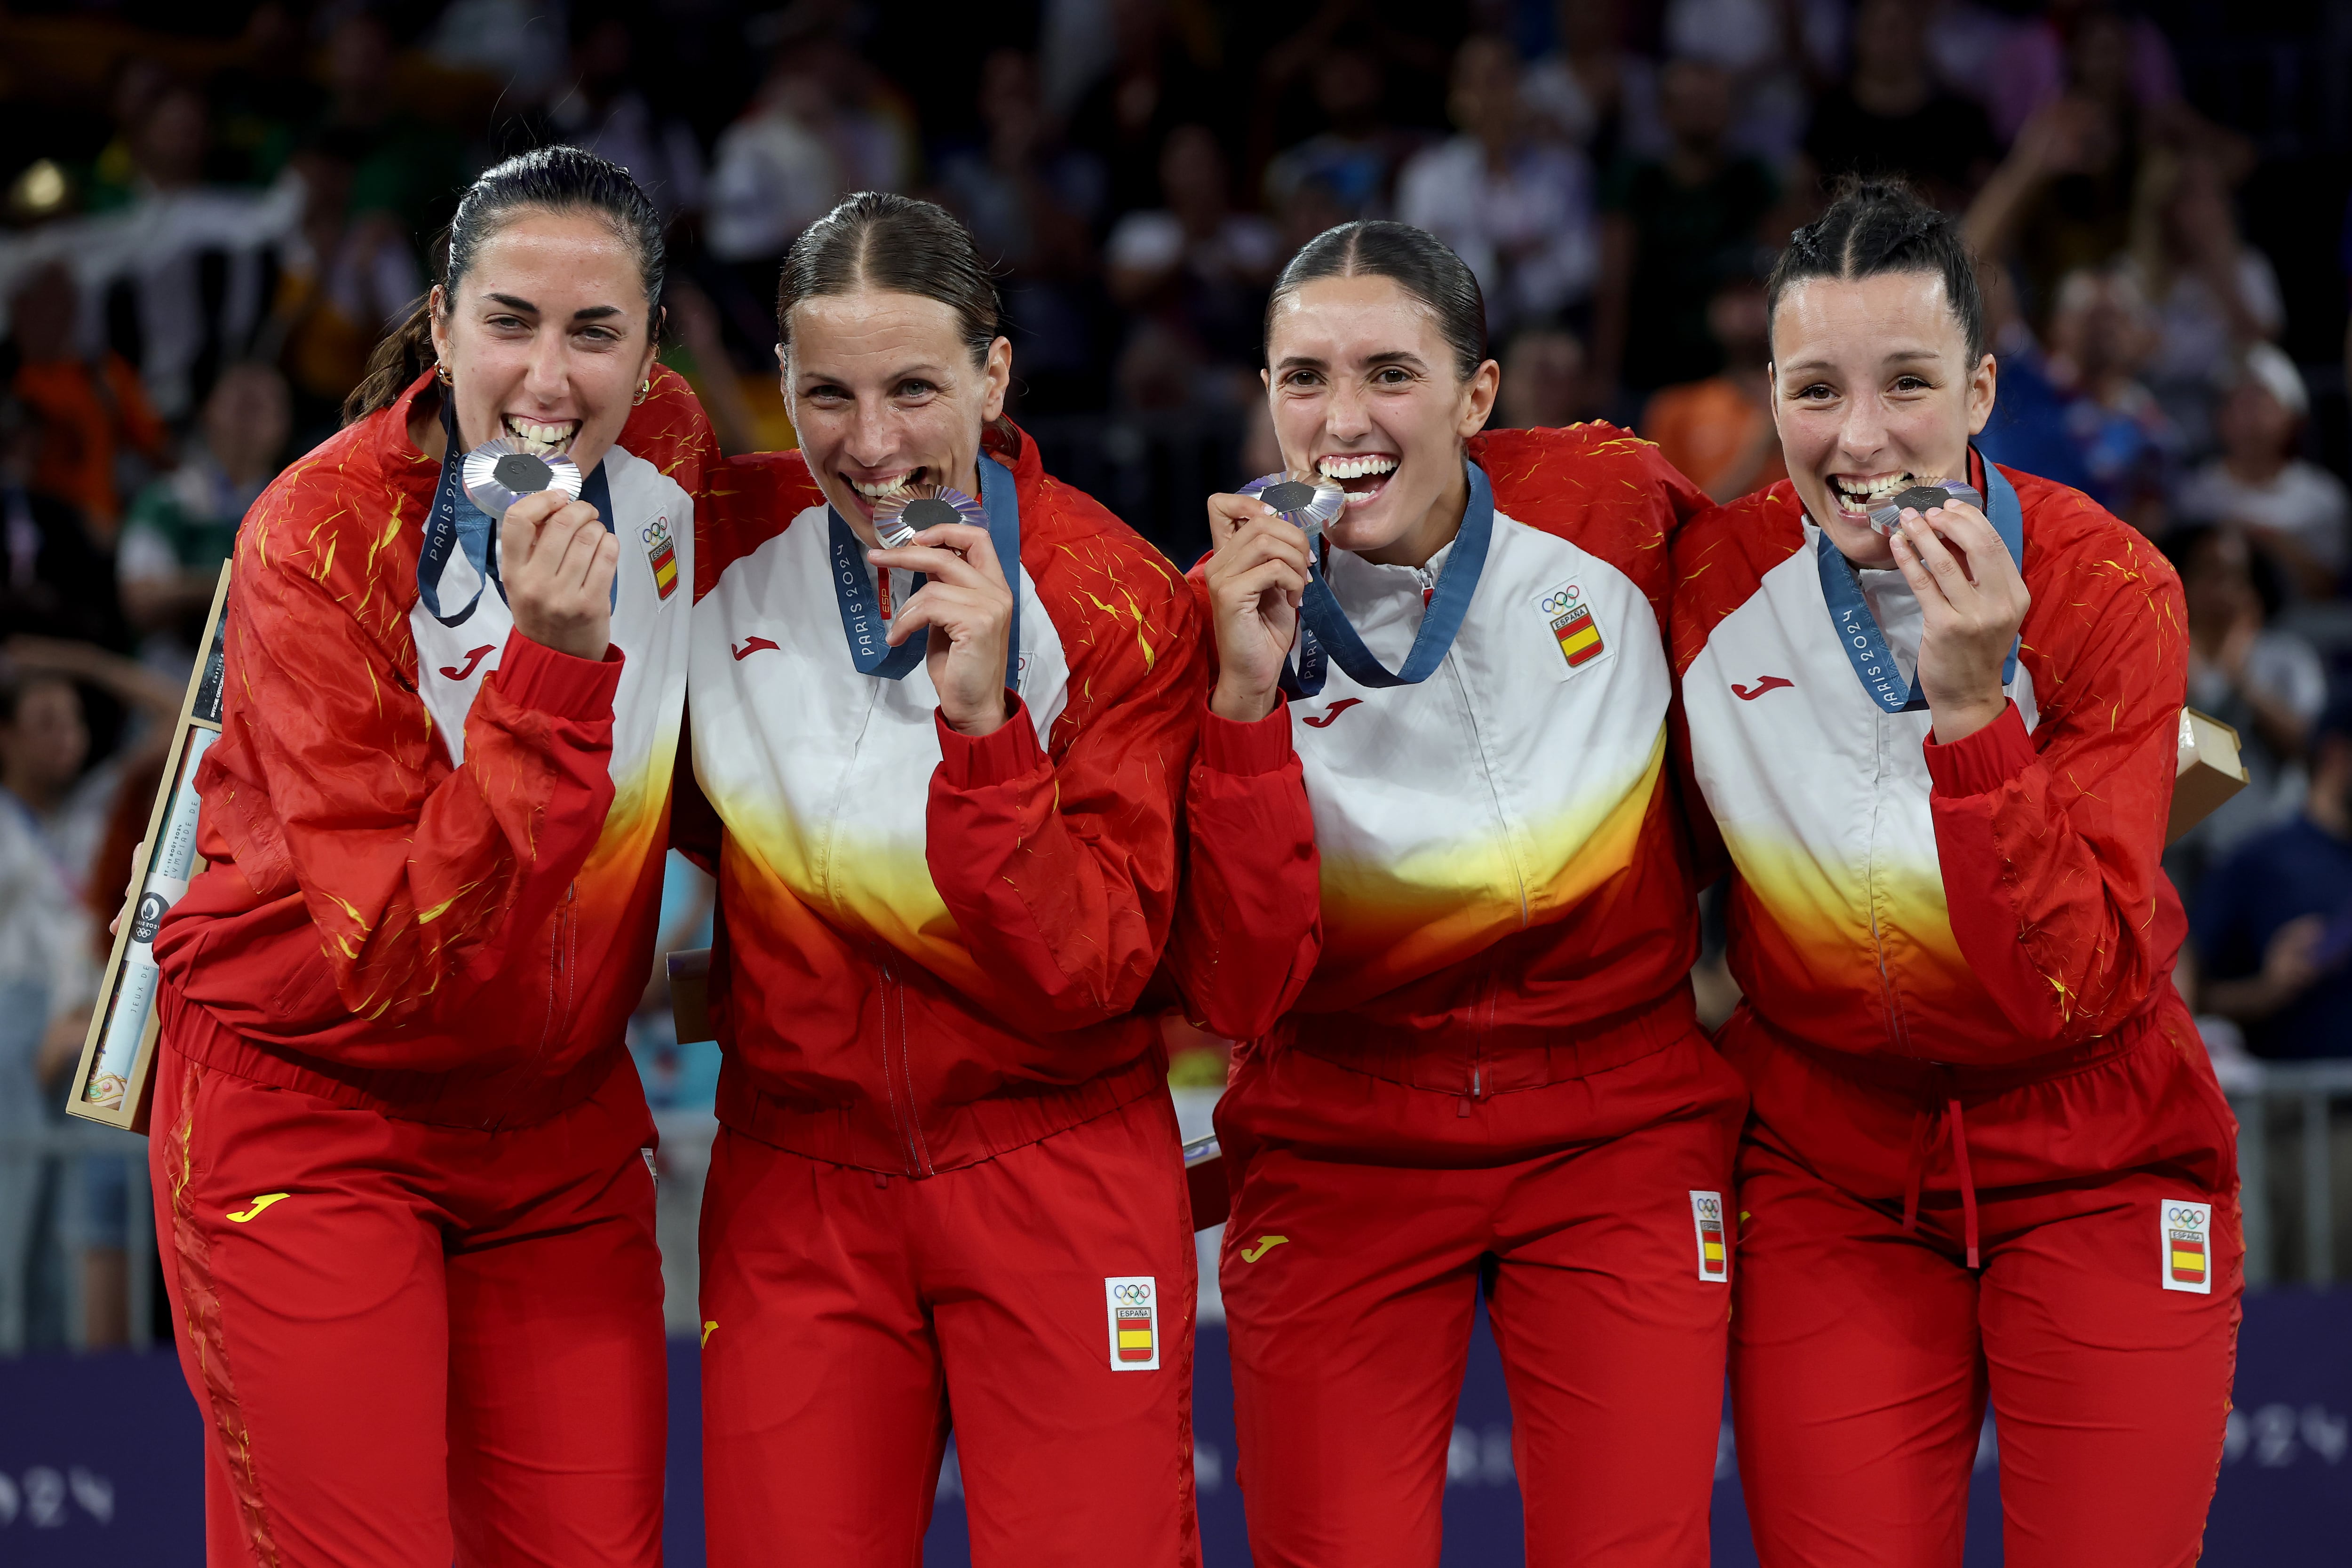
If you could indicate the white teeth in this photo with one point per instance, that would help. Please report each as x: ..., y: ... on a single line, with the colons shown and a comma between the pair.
x: 885, y: 491
x: 1354, y: 468
x: 544, y: 440
x: 1874, y: 490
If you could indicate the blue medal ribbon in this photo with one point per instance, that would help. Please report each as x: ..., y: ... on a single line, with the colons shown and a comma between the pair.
x: 457, y: 524
x: 1324, y: 629
x: 861, y: 613
x: 1857, y: 628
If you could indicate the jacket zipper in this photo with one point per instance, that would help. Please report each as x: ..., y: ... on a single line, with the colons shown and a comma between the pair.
x: 902, y: 1114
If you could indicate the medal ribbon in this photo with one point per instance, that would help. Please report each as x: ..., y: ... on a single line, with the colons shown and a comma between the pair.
x: 1324, y: 628
x: 1857, y: 628
x: 862, y: 621
x: 456, y: 524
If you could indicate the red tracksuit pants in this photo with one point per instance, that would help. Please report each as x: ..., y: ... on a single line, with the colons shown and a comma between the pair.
x: 2101, y: 1322
x: 414, y: 1344
x: 846, y: 1313
x: 1364, y: 1214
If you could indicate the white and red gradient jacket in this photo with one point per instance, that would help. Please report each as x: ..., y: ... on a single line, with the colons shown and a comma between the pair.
x: 436, y: 851
x: 1975, y: 905
x: 930, y: 947
x: 1480, y: 883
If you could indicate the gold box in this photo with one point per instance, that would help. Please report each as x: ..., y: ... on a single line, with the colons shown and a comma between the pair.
x: 2209, y: 772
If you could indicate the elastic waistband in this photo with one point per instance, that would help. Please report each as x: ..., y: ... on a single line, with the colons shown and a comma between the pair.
x: 860, y: 1133
x: 1481, y: 1061
x: 1942, y: 1080
x: 514, y: 1097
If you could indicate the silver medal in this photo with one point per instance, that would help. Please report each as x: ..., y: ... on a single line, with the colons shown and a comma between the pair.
x: 918, y: 507
x: 497, y: 474
x: 1310, y: 504
x: 1920, y: 497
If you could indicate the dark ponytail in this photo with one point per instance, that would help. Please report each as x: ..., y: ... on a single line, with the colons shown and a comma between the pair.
x: 1880, y: 226
x: 1416, y: 260
x: 878, y: 239
x: 545, y: 179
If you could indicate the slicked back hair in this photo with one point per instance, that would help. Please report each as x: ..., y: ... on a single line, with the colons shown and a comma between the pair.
x: 1880, y: 226
x: 1418, y: 262
x: 878, y: 239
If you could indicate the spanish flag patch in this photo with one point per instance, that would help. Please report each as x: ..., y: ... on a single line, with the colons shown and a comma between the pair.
x: 2185, y: 1232
x: 1132, y: 1303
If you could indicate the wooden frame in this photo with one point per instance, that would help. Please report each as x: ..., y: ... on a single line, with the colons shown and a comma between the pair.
x: 113, y: 1084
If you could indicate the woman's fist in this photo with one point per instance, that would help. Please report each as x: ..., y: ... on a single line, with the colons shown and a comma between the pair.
x: 557, y: 562
x: 1255, y: 581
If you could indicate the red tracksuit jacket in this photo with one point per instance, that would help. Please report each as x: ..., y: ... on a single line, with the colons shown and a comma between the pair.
x: 930, y: 947
x: 1979, y: 903
x: 1455, y: 884
x: 436, y: 852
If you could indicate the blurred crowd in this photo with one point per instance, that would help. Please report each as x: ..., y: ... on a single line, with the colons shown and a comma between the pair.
x: 213, y: 211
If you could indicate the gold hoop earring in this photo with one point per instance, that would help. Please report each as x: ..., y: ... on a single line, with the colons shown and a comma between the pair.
x: 441, y: 374
x: 644, y: 390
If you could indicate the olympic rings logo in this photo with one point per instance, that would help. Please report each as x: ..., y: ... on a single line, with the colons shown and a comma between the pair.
x: 1561, y: 599
x: 2191, y: 1218
x: 1709, y: 1208
x: 1134, y: 1294
x: 656, y: 532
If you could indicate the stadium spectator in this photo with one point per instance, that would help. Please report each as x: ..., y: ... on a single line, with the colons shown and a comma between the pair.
x: 1196, y: 272
x: 2028, y: 427
x: 2073, y: 37
x: 1720, y: 432
x: 91, y: 408
x: 1356, y: 154
x: 2274, y: 922
x: 2100, y: 335
x: 43, y: 966
x: 2264, y: 681
x: 772, y: 173
x: 58, y: 581
x: 406, y: 166
x: 1154, y: 83
x: 1594, y: 90
x: 2295, y: 512
x: 347, y: 277
x: 1030, y: 201
x: 1545, y: 383
x: 606, y: 111
x: 1890, y: 117
x: 2214, y: 297
x: 182, y: 527
x: 1515, y: 206
x: 1778, y: 53
x: 1668, y: 228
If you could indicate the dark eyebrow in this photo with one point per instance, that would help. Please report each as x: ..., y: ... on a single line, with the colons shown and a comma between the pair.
x: 1304, y: 362
x: 1397, y: 357
x: 592, y: 313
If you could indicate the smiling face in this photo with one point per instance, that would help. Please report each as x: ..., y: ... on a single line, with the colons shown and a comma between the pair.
x: 1873, y: 391
x: 547, y: 339
x: 884, y: 394
x: 1364, y: 393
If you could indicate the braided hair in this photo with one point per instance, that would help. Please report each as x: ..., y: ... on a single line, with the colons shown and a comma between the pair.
x: 1875, y: 226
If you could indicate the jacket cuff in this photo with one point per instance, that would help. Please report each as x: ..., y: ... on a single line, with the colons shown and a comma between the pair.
x: 1001, y: 755
x: 533, y: 674
x: 1981, y: 762
x: 1228, y: 746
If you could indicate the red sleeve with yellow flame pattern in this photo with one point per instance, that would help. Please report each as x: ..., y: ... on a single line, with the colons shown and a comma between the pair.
x: 2050, y: 843
x: 328, y: 793
x: 1059, y: 862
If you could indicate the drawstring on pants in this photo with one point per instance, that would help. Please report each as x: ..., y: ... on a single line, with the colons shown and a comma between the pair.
x: 1940, y: 1110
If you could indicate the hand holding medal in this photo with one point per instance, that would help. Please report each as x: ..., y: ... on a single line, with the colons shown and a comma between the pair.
x: 963, y: 603
x: 1264, y: 535
x: 556, y: 559
x: 1972, y: 599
